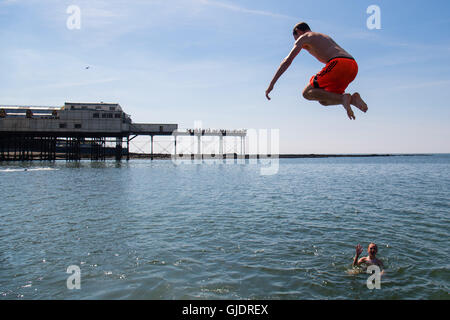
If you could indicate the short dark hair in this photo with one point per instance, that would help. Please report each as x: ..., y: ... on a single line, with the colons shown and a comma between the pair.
x: 302, y: 26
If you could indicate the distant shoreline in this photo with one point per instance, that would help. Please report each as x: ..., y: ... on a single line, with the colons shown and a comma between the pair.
x: 187, y: 157
x: 281, y: 156
x: 287, y: 156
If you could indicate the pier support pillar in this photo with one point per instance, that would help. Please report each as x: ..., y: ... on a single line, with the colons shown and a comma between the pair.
x: 118, y: 148
x: 224, y: 146
x: 199, y: 147
x: 175, y: 145
x: 151, y: 147
x: 128, y: 148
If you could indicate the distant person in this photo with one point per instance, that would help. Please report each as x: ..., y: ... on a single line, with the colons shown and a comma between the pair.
x: 370, y: 259
x: 328, y: 86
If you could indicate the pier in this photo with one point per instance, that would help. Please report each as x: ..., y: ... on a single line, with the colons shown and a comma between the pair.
x: 96, y: 131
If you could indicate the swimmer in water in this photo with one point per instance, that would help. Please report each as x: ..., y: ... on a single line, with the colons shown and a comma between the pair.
x: 328, y: 86
x: 370, y: 259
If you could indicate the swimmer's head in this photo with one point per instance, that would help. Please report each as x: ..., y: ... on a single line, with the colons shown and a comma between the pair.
x: 372, y: 249
x: 300, y: 29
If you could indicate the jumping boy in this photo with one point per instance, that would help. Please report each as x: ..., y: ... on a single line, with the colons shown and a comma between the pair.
x: 328, y: 86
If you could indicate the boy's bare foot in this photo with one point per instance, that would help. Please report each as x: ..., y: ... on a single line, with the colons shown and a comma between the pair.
x: 346, y: 99
x: 358, y: 102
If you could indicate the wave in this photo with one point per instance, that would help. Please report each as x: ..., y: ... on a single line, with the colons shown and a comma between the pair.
x: 26, y: 169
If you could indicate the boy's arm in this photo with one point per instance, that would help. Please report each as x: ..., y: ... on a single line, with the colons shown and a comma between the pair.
x: 357, y: 262
x: 285, y: 65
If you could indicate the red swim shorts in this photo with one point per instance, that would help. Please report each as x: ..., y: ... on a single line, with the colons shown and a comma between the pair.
x: 336, y: 75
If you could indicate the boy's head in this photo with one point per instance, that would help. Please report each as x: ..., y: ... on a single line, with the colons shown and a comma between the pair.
x: 300, y: 29
x: 372, y: 249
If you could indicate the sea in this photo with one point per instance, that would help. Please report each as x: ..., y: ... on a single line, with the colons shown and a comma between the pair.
x: 225, y: 230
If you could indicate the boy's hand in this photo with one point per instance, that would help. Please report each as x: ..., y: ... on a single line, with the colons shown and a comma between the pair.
x: 359, y: 250
x: 268, y: 91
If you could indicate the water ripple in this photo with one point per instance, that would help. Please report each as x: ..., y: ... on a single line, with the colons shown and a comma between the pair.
x: 152, y: 230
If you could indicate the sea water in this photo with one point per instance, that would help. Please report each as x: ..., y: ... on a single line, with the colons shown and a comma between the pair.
x: 156, y: 230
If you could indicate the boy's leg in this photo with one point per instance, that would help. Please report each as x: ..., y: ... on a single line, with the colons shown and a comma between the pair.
x: 358, y: 102
x: 329, y: 98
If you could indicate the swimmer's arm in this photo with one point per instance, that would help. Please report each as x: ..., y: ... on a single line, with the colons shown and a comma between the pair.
x: 285, y: 64
x: 357, y: 262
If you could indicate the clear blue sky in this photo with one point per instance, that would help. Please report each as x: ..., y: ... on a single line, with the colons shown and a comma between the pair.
x: 178, y: 61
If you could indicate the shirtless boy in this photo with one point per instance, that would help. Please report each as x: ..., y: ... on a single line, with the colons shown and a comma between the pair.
x: 328, y: 86
x: 370, y: 259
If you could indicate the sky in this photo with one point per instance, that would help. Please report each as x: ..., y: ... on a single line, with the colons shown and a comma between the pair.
x: 182, y: 61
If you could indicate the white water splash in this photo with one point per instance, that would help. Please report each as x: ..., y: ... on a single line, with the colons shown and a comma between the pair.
x: 26, y: 170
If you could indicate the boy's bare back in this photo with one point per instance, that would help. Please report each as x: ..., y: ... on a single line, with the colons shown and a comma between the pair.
x: 321, y: 46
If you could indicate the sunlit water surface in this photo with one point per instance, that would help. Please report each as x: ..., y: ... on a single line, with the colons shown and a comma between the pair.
x: 156, y: 230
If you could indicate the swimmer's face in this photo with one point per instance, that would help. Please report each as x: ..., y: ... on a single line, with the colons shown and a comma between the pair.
x: 373, y: 249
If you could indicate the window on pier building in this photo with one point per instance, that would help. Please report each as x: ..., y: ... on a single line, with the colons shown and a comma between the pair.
x: 96, y: 115
x: 77, y: 126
